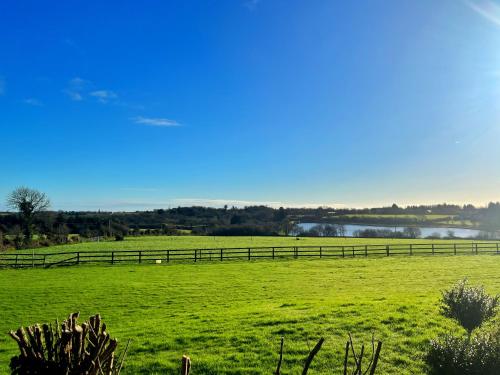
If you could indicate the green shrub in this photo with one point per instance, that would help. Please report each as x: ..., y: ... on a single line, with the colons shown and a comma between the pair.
x: 463, y: 356
x: 469, y: 306
x: 45, y: 243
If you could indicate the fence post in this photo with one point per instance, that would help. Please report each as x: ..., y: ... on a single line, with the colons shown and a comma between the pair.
x: 366, y: 250
x: 353, y: 255
x: 321, y: 252
x: 411, y: 249
x: 433, y: 249
x: 168, y: 256
x: 455, y: 249
x: 112, y: 257
x: 387, y: 249
x: 248, y: 253
x: 44, y: 259
x: 17, y: 255
x: 195, y: 255
x: 140, y: 257
x: 497, y: 248
x: 221, y: 256
x: 476, y: 248
x: 343, y: 252
x: 77, y: 258
x: 273, y: 252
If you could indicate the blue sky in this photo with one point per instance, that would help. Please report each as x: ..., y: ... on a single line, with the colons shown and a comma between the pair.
x: 127, y: 105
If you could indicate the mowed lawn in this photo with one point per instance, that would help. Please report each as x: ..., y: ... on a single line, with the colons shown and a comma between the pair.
x: 206, y: 242
x: 229, y: 316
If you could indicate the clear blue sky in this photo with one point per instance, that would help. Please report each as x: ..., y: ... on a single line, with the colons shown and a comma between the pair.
x: 145, y: 104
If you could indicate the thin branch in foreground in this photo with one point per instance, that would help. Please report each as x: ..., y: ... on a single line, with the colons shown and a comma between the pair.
x: 312, y: 354
x: 278, y: 369
x: 186, y: 365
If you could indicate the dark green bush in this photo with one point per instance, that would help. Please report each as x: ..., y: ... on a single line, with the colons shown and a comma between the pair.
x: 479, y: 355
x: 469, y: 306
x: 244, y: 230
x: 45, y: 243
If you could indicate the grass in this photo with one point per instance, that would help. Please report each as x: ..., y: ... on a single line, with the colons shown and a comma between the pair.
x: 230, y: 316
x: 193, y: 242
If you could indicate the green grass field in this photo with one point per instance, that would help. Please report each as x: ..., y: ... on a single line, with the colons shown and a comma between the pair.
x: 198, y: 242
x: 229, y: 317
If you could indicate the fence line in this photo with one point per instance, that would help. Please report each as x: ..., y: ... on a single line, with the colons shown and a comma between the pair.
x: 45, y: 260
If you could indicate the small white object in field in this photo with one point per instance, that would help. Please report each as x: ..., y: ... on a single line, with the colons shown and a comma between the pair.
x: 158, y: 261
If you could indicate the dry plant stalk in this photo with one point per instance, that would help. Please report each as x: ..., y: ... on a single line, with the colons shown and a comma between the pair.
x: 186, y: 365
x: 357, y: 366
x: 355, y: 369
x: 66, y: 349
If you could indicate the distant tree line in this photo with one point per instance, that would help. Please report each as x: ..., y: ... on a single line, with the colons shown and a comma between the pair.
x: 28, y: 225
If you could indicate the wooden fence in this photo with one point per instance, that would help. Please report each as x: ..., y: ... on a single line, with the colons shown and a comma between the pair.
x: 27, y: 260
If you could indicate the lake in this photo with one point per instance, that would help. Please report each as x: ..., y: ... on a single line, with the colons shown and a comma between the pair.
x: 426, y: 231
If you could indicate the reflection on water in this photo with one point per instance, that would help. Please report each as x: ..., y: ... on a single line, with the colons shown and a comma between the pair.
x: 426, y: 231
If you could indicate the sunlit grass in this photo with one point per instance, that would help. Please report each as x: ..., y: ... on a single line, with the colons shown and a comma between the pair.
x: 199, y: 242
x: 230, y: 316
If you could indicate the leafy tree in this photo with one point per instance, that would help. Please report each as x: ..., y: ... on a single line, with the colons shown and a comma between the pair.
x: 330, y: 230
x: 477, y: 354
x: 280, y: 214
x: 469, y: 306
x: 412, y: 232
x: 237, y: 219
x: 28, y: 202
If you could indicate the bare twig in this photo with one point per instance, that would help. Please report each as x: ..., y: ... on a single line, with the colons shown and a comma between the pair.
x: 346, y: 357
x: 186, y: 365
x: 375, y: 360
x: 373, y: 356
x: 278, y: 369
x: 312, y: 354
x: 358, y: 368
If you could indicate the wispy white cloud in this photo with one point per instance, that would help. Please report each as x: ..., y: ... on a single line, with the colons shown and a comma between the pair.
x: 2, y: 86
x: 76, y: 88
x: 74, y: 95
x: 488, y: 9
x: 155, y: 121
x: 69, y: 42
x: 104, y: 96
x: 251, y: 4
x: 74, y: 46
x: 33, y: 101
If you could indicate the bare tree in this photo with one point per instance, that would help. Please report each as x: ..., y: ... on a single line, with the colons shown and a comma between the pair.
x: 28, y: 202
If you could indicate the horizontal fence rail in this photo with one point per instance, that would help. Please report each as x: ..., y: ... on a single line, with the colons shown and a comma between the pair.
x: 46, y: 260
